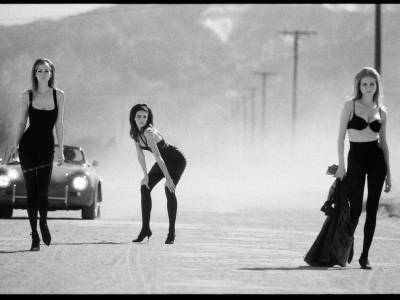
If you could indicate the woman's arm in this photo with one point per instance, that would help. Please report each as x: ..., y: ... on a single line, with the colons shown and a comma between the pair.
x: 22, y: 119
x: 149, y: 135
x: 60, y: 125
x: 141, y: 158
x: 385, y: 150
x: 344, y: 118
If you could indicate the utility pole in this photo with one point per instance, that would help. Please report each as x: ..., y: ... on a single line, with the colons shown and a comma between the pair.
x: 263, y: 75
x: 378, y: 38
x: 244, y: 112
x: 252, y: 90
x: 296, y: 34
x: 235, y: 111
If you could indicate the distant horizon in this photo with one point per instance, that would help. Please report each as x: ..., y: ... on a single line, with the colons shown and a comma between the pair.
x: 20, y: 14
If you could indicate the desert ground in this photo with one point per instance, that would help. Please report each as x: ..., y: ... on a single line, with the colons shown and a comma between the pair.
x: 246, y: 251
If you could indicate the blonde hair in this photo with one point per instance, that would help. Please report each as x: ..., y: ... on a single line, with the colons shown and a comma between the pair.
x: 368, y: 72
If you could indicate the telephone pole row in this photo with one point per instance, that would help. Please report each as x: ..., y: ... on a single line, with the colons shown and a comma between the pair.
x: 296, y: 34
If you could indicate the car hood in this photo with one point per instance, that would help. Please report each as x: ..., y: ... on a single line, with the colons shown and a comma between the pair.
x: 59, y: 173
x: 65, y: 170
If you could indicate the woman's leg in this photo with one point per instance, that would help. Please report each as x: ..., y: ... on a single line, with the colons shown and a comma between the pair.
x: 176, y: 171
x: 32, y: 203
x: 43, y: 182
x: 356, y: 179
x: 376, y: 178
x: 155, y: 175
x: 43, y: 179
x: 28, y: 161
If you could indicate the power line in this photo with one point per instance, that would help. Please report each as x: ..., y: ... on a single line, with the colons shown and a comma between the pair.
x: 296, y: 34
x: 252, y: 93
x: 264, y: 75
x: 378, y: 38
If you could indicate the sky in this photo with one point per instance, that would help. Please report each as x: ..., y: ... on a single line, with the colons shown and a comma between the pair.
x: 17, y: 14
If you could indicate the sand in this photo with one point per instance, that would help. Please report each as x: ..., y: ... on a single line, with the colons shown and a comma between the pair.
x: 253, y: 251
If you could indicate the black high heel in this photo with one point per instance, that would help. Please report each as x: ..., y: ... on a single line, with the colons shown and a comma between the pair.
x: 142, y: 235
x: 170, y: 238
x: 364, y: 263
x: 35, y: 241
x: 44, y: 229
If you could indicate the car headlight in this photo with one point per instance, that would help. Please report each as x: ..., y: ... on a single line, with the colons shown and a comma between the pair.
x: 13, y: 174
x: 5, y: 181
x: 80, y: 183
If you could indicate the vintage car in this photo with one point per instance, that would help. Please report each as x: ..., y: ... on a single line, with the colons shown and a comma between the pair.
x: 74, y: 185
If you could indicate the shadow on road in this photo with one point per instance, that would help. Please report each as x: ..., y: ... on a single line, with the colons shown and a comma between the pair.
x: 15, y: 251
x: 91, y: 243
x: 292, y: 268
x: 68, y: 244
x: 51, y: 218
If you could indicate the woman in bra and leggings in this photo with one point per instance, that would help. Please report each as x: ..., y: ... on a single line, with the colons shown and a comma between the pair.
x: 364, y: 118
x: 170, y: 163
x: 43, y: 105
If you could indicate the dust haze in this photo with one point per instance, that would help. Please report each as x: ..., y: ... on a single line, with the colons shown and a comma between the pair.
x: 230, y: 168
x: 234, y: 162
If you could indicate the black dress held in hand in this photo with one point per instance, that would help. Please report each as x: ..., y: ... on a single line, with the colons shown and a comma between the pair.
x: 334, y: 243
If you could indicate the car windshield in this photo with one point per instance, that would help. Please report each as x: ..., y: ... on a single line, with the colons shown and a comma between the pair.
x: 71, y: 155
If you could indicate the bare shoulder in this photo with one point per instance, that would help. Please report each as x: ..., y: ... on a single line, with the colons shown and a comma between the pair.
x: 60, y: 94
x: 25, y: 97
x: 149, y: 131
x: 348, y: 104
x: 384, y: 111
x: 347, y: 107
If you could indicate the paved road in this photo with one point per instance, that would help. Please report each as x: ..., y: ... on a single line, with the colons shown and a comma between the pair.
x: 259, y: 251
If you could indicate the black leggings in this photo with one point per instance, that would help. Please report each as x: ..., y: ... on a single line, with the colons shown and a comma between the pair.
x: 175, y: 169
x: 366, y: 159
x: 37, y: 185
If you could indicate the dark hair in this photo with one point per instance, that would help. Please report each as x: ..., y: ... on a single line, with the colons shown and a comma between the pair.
x: 135, y: 132
x: 38, y: 62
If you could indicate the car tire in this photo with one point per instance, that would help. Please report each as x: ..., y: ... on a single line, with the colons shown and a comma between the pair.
x: 6, y: 212
x: 90, y: 212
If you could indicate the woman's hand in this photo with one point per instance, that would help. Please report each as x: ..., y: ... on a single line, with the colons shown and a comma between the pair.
x: 388, y: 183
x: 60, y: 156
x: 145, y: 181
x: 13, y: 152
x: 340, y: 173
x: 170, y: 185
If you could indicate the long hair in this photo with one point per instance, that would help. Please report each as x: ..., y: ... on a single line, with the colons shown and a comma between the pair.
x: 135, y: 131
x: 38, y: 62
x: 368, y: 72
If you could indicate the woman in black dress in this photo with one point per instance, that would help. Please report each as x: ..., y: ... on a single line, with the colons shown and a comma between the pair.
x: 170, y: 163
x: 43, y: 105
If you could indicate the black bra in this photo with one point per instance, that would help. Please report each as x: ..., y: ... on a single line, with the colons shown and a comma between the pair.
x: 359, y: 123
x: 146, y: 147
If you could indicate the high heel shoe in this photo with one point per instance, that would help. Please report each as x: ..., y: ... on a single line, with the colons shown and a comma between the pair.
x: 170, y: 238
x: 35, y: 241
x: 364, y: 263
x: 142, y: 235
x: 44, y: 229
